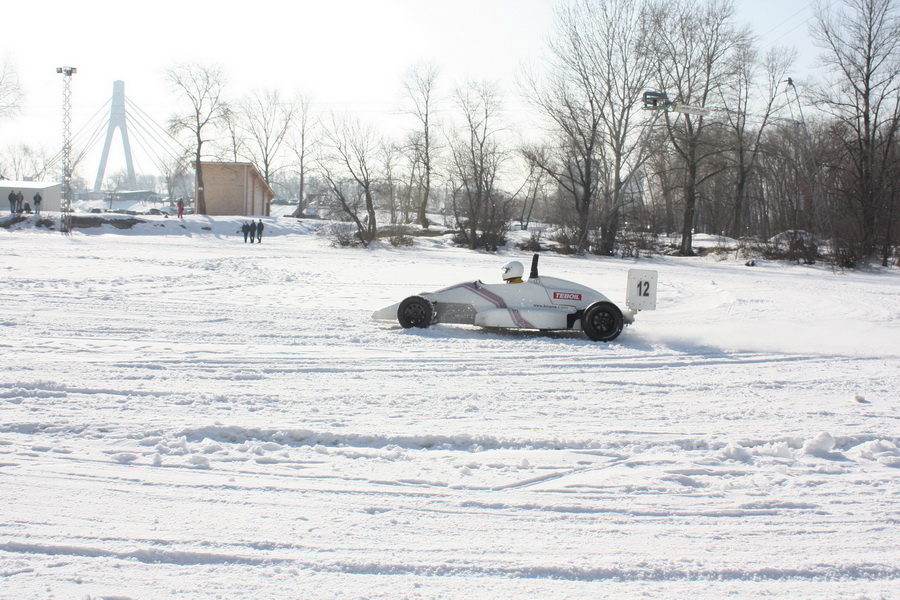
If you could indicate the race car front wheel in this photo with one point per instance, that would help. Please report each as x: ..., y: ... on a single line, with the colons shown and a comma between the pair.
x: 415, y: 311
x: 602, y: 321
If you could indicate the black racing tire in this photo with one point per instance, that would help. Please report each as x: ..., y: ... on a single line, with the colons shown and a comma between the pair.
x: 602, y: 321
x: 415, y: 311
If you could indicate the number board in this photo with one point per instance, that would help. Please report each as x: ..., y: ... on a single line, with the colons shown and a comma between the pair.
x: 641, y: 293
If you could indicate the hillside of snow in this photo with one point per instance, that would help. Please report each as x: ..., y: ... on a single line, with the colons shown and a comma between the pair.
x: 183, y: 415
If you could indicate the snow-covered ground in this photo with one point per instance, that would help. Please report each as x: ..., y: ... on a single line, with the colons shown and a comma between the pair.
x: 183, y: 415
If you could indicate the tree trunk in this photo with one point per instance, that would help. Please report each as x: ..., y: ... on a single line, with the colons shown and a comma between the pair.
x: 200, y: 200
x: 426, y: 193
x: 690, y: 207
x: 737, y: 221
x: 371, y: 224
x: 608, y: 234
x: 584, y: 218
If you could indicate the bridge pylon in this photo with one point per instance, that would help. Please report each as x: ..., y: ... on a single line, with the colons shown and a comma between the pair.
x: 117, y: 120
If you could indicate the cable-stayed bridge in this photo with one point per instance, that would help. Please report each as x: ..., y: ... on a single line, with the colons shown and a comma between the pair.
x: 136, y: 130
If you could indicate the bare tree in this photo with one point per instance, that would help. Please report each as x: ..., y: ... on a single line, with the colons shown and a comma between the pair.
x: 202, y: 86
x: 236, y: 143
x: 174, y: 169
x: 301, y: 141
x: 691, y: 42
x: 534, y: 187
x: 10, y: 92
x: 861, y: 42
x: 21, y: 161
x: 350, y: 166
x: 392, y: 173
x: 596, y: 75
x: 420, y: 84
x: 267, y: 117
x: 476, y: 159
x: 749, y: 109
x: 413, y: 151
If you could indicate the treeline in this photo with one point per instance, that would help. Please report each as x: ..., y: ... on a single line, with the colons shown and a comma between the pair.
x: 653, y: 119
x: 815, y: 161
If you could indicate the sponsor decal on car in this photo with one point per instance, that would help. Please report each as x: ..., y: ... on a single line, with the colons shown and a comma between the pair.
x: 567, y: 296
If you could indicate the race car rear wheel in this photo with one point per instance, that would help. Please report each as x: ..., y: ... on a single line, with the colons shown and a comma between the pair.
x: 415, y: 311
x: 602, y: 321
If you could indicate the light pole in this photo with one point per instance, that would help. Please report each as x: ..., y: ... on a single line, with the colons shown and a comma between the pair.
x: 65, y: 207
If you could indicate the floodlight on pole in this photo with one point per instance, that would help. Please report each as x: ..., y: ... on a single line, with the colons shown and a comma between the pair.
x: 654, y: 100
x: 697, y: 111
x: 65, y: 207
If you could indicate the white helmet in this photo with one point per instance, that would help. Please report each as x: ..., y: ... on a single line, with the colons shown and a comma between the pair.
x: 513, y: 270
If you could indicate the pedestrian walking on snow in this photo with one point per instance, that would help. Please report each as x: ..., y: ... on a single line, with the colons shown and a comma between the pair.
x: 259, y: 230
x: 37, y: 203
x: 13, y: 198
x: 20, y: 201
x: 252, y: 230
x: 245, y: 229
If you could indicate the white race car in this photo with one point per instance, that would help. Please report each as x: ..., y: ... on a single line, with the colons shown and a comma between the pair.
x: 543, y: 303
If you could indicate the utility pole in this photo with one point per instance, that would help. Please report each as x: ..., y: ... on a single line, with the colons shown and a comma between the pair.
x: 66, y: 203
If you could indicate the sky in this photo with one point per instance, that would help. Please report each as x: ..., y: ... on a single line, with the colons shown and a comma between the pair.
x: 344, y: 54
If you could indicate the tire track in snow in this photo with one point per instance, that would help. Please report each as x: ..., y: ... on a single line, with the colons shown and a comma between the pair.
x: 659, y: 573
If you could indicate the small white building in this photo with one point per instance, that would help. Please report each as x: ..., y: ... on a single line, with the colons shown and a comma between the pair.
x: 51, y: 193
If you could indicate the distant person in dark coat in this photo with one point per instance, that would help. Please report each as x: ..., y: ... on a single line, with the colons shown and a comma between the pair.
x: 13, y: 198
x: 259, y: 230
x: 20, y: 201
x: 245, y: 228
x: 252, y: 230
x: 37, y: 203
x: 180, y: 208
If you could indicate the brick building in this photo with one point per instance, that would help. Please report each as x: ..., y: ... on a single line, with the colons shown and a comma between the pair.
x: 235, y: 189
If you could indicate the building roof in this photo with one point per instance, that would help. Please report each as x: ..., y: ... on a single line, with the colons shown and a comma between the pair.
x: 27, y: 185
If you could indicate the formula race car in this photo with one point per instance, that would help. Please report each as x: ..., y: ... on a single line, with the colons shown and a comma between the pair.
x: 542, y: 303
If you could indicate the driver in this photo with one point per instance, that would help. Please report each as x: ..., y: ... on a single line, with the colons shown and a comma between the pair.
x: 513, y: 271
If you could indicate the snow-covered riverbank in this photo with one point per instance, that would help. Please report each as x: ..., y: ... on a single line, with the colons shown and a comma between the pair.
x: 186, y: 415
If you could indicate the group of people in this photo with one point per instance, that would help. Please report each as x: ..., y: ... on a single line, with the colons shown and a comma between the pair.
x: 17, y: 203
x: 253, y: 230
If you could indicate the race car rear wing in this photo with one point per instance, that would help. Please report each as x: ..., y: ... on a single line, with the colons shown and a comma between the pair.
x: 641, y: 291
